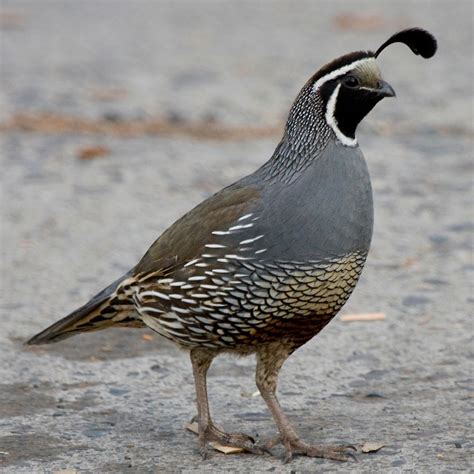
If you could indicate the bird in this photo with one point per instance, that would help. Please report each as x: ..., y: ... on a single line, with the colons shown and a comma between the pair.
x: 263, y: 265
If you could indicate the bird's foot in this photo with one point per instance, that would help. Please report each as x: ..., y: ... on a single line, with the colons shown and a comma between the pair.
x: 294, y: 445
x: 209, y: 432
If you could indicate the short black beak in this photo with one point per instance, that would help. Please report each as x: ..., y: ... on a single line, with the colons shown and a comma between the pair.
x: 384, y: 89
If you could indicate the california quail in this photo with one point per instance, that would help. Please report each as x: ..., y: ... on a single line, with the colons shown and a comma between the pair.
x: 263, y: 265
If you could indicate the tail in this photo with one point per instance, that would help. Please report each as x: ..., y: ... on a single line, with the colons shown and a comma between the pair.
x: 112, y: 306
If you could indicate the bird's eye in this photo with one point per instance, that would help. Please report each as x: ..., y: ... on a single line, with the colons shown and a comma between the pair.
x: 351, y: 81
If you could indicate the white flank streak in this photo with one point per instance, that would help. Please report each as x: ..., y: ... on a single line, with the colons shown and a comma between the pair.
x: 192, y: 262
x: 261, y: 250
x: 187, y: 287
x: 199, y: 295
x: 332, y: 122
x: 221, y: 270
x: 246, y: 216
x: 221, y: 232
x: 202, y: 265
x: 209, y: 287
x: 241, y: 226
x: 176, y: 296
x: 223, y: 260
x: 215, y: 246
x: 249, y: 241
x: 197, y: 278
x: 165, y: 281
x: 208, y: 255
x: 177, y: 283
x: 155, y: 293
x: 238, y: 257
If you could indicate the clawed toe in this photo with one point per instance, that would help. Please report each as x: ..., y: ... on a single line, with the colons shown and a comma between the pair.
x: 258, y: 448
x: 295, y: 446
x: 352, y: 456
x: 242, y: 441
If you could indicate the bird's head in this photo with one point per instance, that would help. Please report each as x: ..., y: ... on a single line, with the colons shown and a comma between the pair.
x: 345, y: 90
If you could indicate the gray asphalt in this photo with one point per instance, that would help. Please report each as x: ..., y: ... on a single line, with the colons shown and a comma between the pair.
x: 118, y: 400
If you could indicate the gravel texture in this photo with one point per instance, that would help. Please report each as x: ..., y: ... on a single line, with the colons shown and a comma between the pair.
x: 118, y: 400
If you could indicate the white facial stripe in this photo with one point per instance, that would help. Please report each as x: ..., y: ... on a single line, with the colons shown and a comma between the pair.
x: 332, y: 122
x: 339, y: 72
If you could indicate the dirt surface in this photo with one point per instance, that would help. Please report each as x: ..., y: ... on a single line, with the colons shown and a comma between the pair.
x: 180, y: 99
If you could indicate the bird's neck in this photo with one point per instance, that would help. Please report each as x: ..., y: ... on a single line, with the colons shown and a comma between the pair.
x: 306, y: 136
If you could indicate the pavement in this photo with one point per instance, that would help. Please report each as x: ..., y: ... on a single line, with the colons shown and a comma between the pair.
x: 116, y: 118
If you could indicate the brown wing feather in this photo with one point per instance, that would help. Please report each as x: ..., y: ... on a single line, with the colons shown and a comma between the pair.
x: 186, y: 238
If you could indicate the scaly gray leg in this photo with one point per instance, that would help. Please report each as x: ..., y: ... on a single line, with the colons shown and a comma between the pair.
x: 270, y: 359
x: 201, y: 360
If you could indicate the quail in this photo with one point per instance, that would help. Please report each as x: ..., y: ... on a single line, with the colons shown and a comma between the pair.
x: 264, y: 264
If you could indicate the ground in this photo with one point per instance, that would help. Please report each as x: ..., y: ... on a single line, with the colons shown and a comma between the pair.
x: 116, y: 118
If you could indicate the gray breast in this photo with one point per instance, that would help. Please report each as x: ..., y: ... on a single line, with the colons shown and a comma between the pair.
x: 327, y: 211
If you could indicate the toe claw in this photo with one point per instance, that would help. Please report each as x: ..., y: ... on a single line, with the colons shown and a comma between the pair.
x: 352, y: 456
x: 343, y: 448
x: 261, y: 448
x: 210, y: 432
x: 336, y: 453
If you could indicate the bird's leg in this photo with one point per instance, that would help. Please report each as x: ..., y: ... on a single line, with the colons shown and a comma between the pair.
x: 201, y: 360
x: 270, y: 359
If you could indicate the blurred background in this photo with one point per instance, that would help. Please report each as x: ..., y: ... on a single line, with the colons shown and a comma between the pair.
x: 117, y: 117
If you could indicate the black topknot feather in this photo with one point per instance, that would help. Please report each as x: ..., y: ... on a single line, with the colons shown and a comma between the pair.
x: 420, y: 41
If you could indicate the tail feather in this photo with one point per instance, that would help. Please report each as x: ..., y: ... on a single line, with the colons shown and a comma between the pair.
x: 98, y: 313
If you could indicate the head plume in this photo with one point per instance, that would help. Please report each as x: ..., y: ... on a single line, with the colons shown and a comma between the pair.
x: 420, y: 41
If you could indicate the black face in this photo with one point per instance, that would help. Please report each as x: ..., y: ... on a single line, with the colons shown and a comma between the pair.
x: 354, y: 100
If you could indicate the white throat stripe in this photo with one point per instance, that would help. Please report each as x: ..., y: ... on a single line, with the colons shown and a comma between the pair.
x: 332, y: 122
